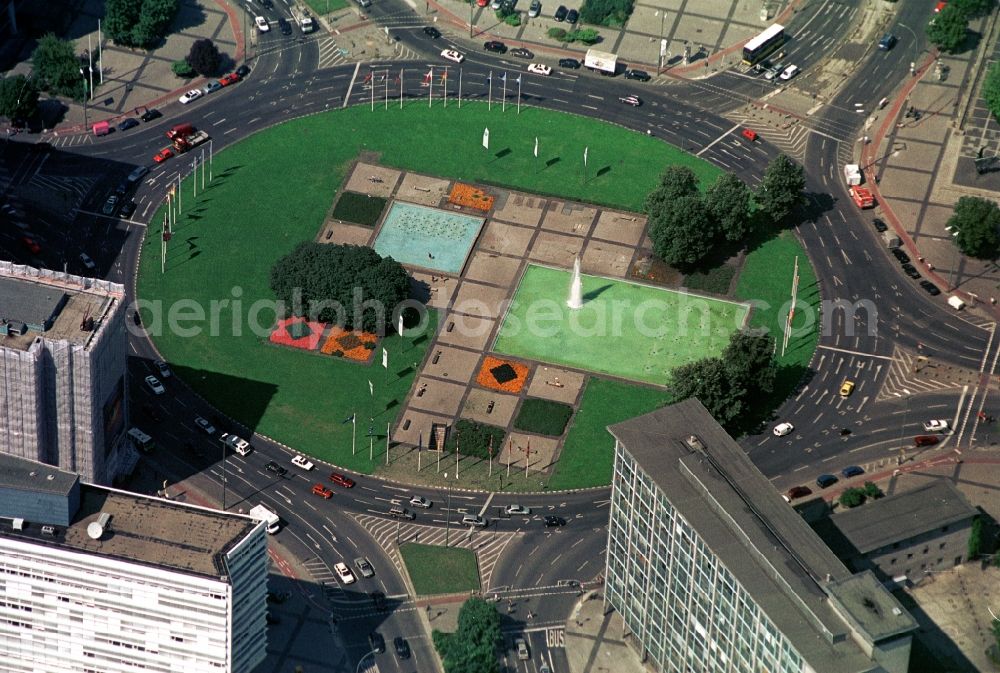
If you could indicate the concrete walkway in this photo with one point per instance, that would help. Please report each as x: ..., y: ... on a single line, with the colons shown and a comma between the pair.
x: 594, y: 640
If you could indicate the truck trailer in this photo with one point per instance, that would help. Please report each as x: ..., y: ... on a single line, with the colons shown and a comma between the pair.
x: 185, y: 137
x: 602, y: 61
x: 262, y: 513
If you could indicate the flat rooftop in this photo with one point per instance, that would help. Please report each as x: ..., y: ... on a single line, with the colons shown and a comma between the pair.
x: 28, y: 475
x: 39, y: 296
x: 902, y: 516
x: 147, y: 530
x: 795, y: 579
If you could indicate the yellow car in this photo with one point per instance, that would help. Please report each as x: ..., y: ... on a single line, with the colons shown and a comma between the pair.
x: 846, y: 388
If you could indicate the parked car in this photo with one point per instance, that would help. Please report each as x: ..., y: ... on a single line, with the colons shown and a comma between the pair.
x: 826, y: 480
x: 376, y: 641
x: 343, y: 573
x: 211, y: 87
x: 150, y: 114
x: 127, y: 124
x: 901, y: 256
x: 231, y: 78
x: 879, y: 225
x: 402, y: 647
x: 87, y: 262
x: 510, y: 510
x: 798, y: 492
x: 782, y: 429
x: 495, y: 46
x: 163, y: 155
x: 540, y: 69
x: 936, y: 426
x: 110, y: 205
x: 534, y: 9
x: 930, y: 287
x: 452, y: 55
x: 554, y: 521
x: 852, y: 471
x: 432, y: 32
x: 262, y: 25
x: 911, y: 271
x: 364, y: 567
x: 341, y: 480
x: 205, y: 426
x: 572, y: 16
x: 561, y: 13
x: 154, y: 385
x: 569, y: 63
x: 846, y: 388
x: 189, y: 96
x: 243, y: 71
x: 420, y: 501
x: 925, y: 440
x: 322, y: 491
x: 272, y: 466
x: 302, y: 462
x: 640, y: 75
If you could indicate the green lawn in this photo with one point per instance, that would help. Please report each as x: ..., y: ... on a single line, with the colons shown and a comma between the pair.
x: 440, y: 570
x: 624, y: 329
x: 588, y: 453
x: 546, y: 417
x: 325, y: 6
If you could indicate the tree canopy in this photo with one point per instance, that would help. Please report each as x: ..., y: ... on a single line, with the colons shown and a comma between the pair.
x: 976, y: 220
x: 204, y: 57
x: 138, y: 23
x: 947, y: 30
x: 56, y: 68
x: 18, y: 98
x: 729, y: 202
x: 683, y: 233
x: 350, y: 285
x: 606, y: 12
x: 781, y: 189
x: 991, y: 89
x: 472, y: 647
x: 726, y: 385
x: 974, y: 8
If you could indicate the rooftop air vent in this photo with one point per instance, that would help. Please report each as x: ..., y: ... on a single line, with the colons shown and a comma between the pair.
x: 694, y: 443
x: 95, y: 529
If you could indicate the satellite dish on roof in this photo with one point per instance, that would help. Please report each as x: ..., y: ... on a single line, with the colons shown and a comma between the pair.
x: 95, y: 529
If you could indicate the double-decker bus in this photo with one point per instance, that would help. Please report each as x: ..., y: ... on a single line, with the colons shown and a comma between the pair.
x: 761, y: 46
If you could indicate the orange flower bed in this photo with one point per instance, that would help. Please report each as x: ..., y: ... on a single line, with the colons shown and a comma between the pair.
x: 504, y: 375
x: 470, y: 197
x: 350, y: 344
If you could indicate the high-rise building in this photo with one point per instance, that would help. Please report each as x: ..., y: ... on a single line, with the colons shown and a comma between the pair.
x: 96, y: 580
x: 712, y: 572
x: 63, y: 349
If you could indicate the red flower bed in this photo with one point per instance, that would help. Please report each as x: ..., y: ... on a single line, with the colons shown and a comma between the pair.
x: 298, y: 333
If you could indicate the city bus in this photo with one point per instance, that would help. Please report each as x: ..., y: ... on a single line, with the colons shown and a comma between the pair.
x: 763, y: 45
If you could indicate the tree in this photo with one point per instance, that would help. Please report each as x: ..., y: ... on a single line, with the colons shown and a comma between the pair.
x: 871, y: 490
x: 204, y: 57
x: 56, y: 69
x: 708, y: 380
x: 606, y: 12
x: 472, y: 647
x: 976, y: 220
x: 138, y: 23
x: 991, y: 89
x: 683, y: 232
x: 975, y: 538
x: 18, y: 98
x: 675, y: 182
x: 350, y: 285
x: 182, y: 68
x: 781, y: 189
x: 974, y: 8
x: 852, y: 497
x: 749, y: 359
x: 728, y: 201
x: 947, y: 30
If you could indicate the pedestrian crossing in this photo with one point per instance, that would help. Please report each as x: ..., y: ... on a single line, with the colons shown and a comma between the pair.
x: 72, y: 140
x: 321, y: 572
x: 488, y: 545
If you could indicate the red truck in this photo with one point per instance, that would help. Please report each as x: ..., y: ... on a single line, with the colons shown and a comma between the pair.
x: 862, y: 197
x: 185, y: 137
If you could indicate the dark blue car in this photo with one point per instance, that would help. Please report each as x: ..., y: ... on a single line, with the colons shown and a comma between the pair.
x: 825, y: 480
x: 852, y: 471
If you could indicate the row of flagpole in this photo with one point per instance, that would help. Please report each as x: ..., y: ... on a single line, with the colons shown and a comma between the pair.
x: 429, y: 83
x: 175, y: 200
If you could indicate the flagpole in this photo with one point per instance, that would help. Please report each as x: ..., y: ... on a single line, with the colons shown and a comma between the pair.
x: 444, y: 85
x: 458, y: 450
x: 527, y: 456
x: 510, y: 450
x: 518, y: 94
x: 371, y: 83
x: 459, y: 88
x: 489, y: 99
x: 386, y: 88
x: 440, y: 448
x: 503, y: 103
x: 371, y: 448
x: 400, y: 88
x: 491, y: 456
x: 354, y: 431
x: 420, y: 446
x: 387, y: 443
x: 430, y: 87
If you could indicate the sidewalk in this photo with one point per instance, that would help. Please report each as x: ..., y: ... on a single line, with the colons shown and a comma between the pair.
x: 594, y: 640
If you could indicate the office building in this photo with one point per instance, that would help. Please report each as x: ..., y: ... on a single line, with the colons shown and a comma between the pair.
x: 907, y: 535
x: 96, y: 580
x: 63, y: 350
x: 712, y: 572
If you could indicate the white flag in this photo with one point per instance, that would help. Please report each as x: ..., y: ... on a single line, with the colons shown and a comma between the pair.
x: 519, y: 80
x: 585, y: 155
x: 385, y: 358
x: 536, y: 147
x: 503, y: 78
x: 371, y: 388
x: 399, y: 329
x: 486, y: 138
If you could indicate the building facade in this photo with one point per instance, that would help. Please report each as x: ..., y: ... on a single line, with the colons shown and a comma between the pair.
x: 131, y: 584
x: 713, y: 572
x: 63, y: 384
x: 907, y: 535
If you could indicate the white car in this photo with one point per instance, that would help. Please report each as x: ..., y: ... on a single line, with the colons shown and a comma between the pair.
x: 782, y: 429
x: 516, y: 509
x: 420, y: 501
x: 189, y: 96
x: 540, y: 69
x: 935, y: 426
x: 452, y: 55
x: 789, y: 72
x: 203, y: 423
x: 236, y: 443
x: 87, y: 261
x: 155, y: 385
x: 634, y: 101
x: 262, y: 24
x: 303, y: 462
x: 344, y: 573
x: 162, y: 367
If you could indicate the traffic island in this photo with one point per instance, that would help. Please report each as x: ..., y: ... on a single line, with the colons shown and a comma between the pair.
x: 436, y: 571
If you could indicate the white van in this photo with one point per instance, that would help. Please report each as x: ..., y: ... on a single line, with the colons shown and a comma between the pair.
x: 956, y: 303
x: 141, y: 440
x: 237, y: 444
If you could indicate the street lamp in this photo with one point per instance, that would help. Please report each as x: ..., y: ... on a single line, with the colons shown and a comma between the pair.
x: 447, y: 525
x: 954, y: 262
x: 361, y: 661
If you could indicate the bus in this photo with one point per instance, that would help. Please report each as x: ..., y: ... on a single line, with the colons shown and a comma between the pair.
x: 763, y: 45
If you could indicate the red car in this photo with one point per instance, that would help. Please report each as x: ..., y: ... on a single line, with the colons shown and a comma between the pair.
x: 798, y: 492
x: 31, y: 245
x: 925, y: 440
x: 163, y: 155
x: 322, y: 491
x: 231, y: 78
x: 482, y: 3
x: 341, y: 480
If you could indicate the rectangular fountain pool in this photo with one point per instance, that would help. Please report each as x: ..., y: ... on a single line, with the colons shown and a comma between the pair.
x: 427, y: 237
